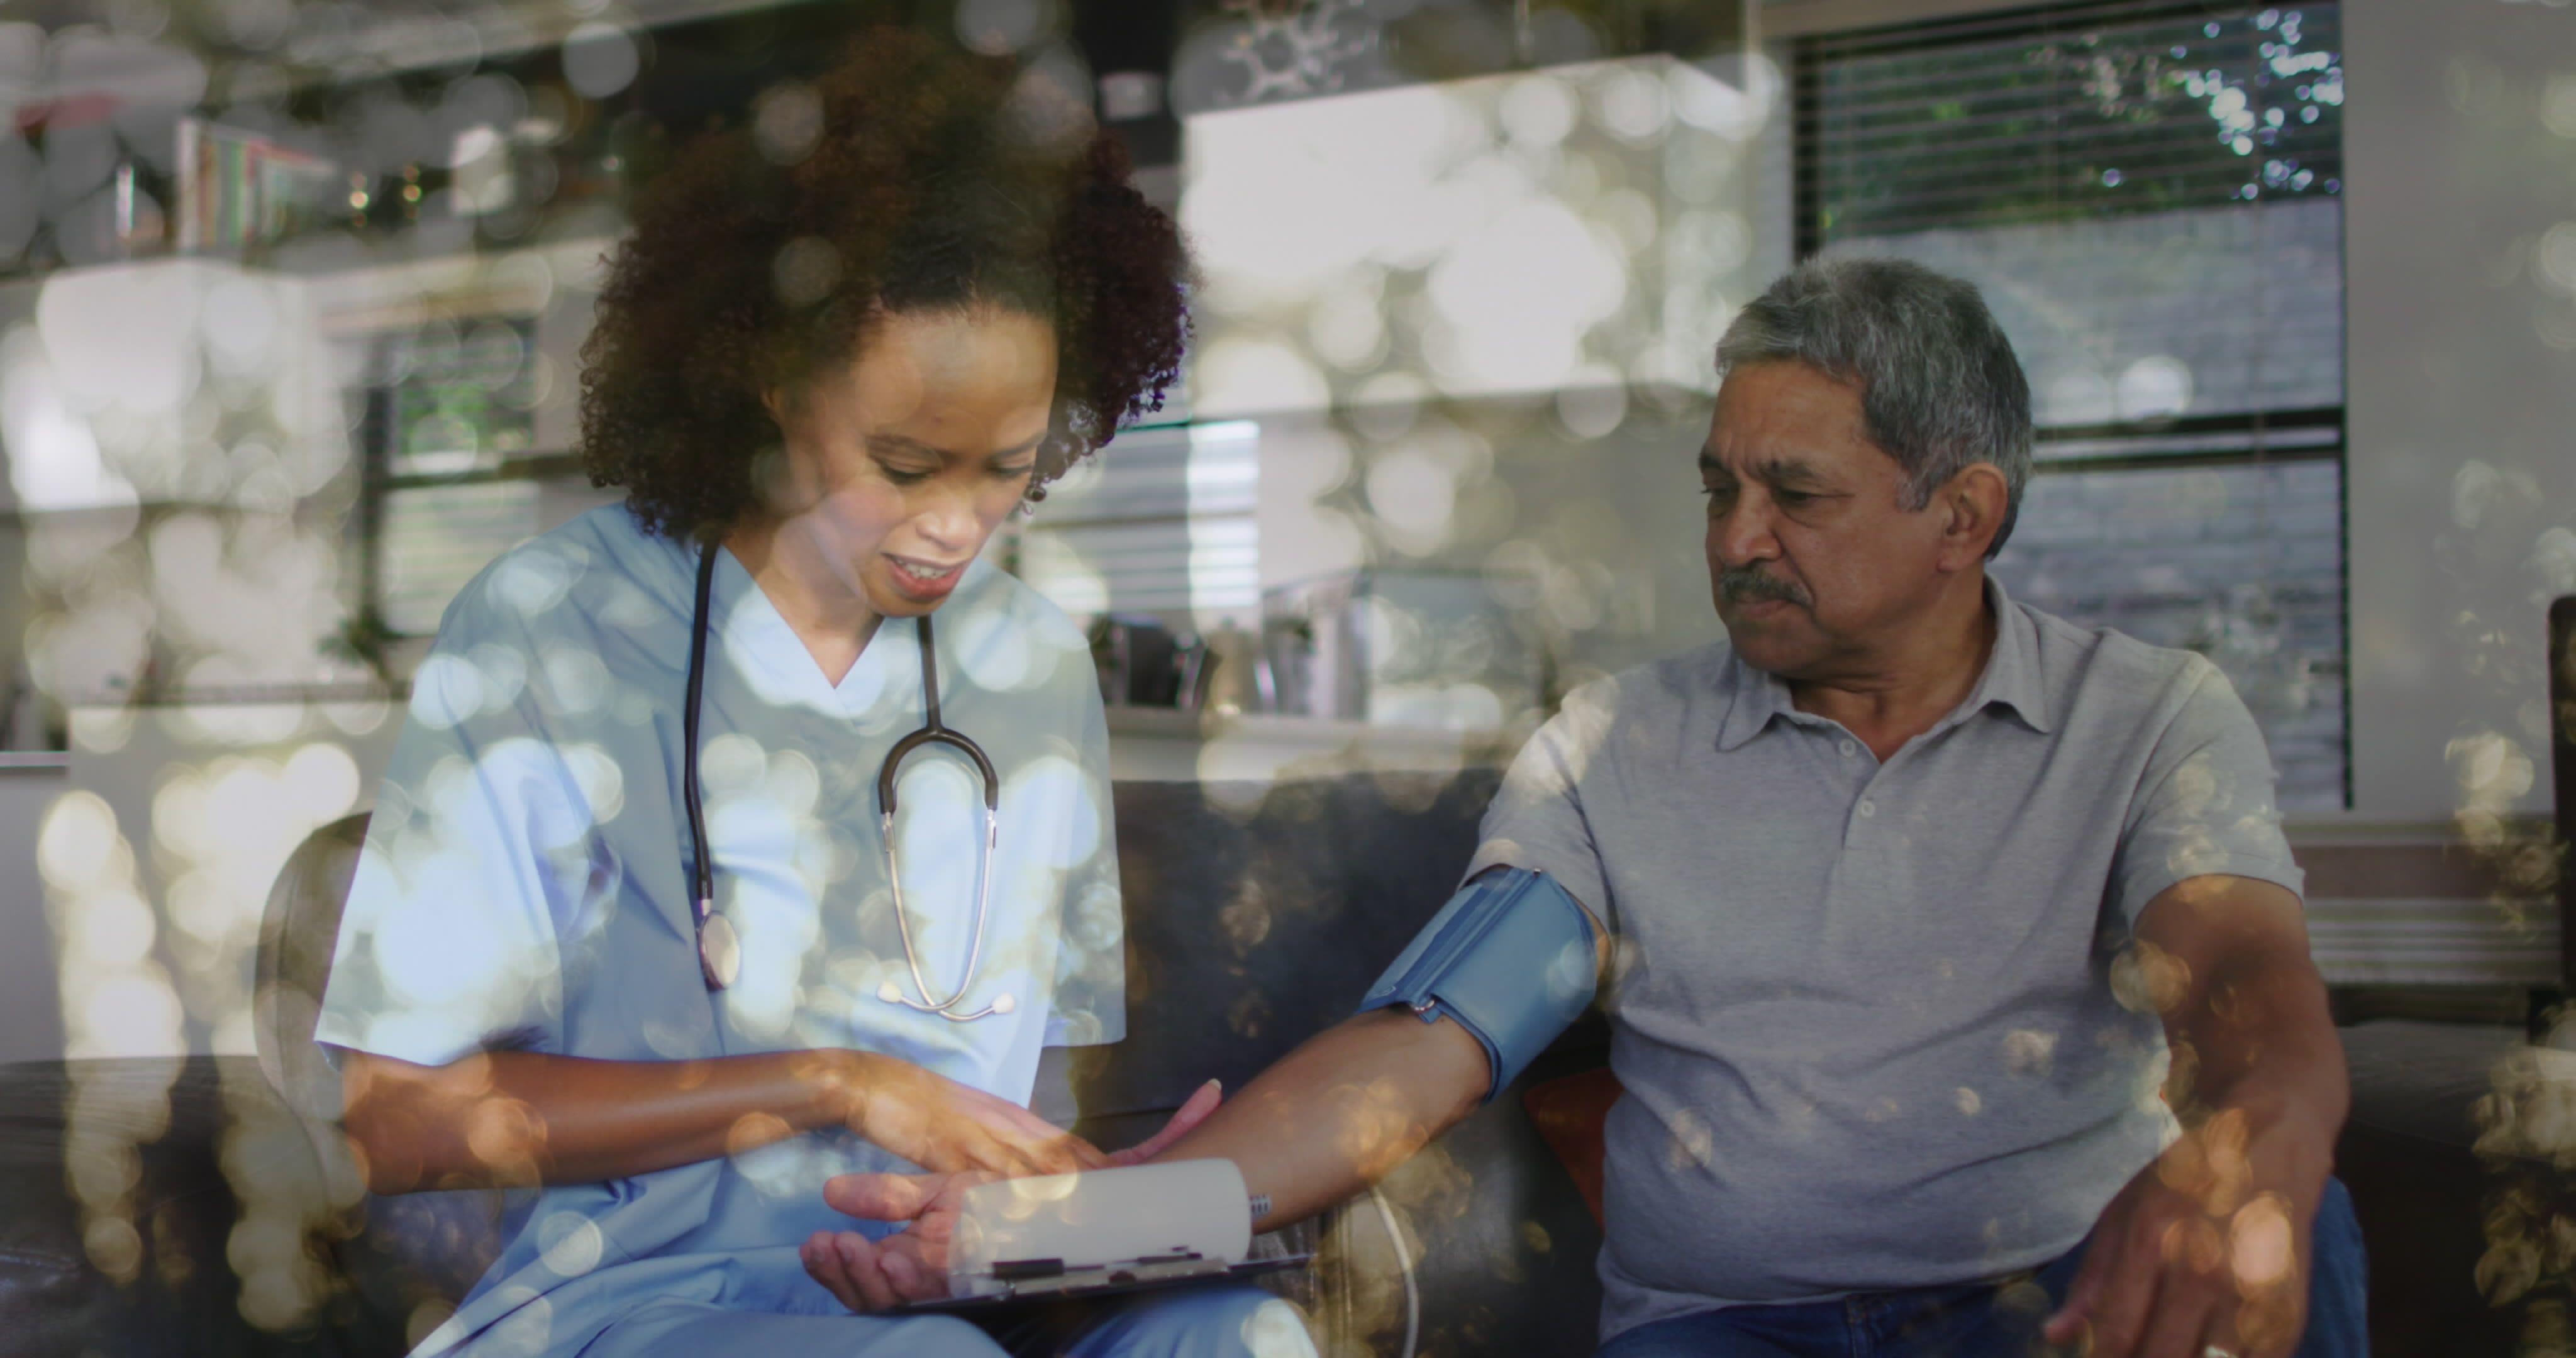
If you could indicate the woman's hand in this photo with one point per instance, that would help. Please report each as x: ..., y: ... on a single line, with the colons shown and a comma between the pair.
x: 876, y: 1275
x: 911, y: 1265
x: 946, y: 1127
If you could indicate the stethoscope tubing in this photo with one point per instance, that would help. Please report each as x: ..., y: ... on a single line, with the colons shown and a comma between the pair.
x: 934, y: 731
x: 703, y: 897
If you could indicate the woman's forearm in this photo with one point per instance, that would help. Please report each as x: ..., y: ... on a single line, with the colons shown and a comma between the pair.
x: 520, y: 1118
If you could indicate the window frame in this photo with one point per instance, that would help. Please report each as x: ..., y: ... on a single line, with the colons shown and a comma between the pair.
x: 2250, y: 438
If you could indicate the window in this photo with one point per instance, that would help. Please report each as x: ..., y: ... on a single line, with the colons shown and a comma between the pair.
x: 1161, y: 521
x: 2149, y: 196
x: 449, y: 408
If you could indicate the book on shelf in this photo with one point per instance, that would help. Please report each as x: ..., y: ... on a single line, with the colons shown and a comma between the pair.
x: 238, y: 188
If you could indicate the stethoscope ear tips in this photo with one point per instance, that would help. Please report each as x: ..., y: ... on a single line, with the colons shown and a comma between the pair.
x: 890, y: 993
x: 1003, y: 1004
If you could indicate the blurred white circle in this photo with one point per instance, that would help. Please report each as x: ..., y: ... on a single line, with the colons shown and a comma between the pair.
x: 1256, y: 376
x: 1412, y: 494
x: 2155, y: 388
x: 445, y: 690
x: 137, y: 18
x: 572, y: 1244
x: 256, y: 24
x: 491, y: 98
x: 1632, y: 105
x: 1386, y: 405
x: 76, y: 842
x: 805, y: 270
x: 1347, y: 328
x: 786, y: 121
x: 1594, y: 403
x: 323, y: 781
x: 1730, y: 110
x: 1538, y: 111
x: 998, y: 28
x: 78, y: 159
x: 2558, y: 106
x: 240, y: 325
x: 2556, y: 257
x: 1050, y: 104
x: 1519, y: 296
x: 2077, y: 393
x: 122, y: 336
x: 600, y: 58
x: 1631, y: 215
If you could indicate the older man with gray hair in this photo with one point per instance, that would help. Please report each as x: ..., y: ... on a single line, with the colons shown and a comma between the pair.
x: 1953, y: 956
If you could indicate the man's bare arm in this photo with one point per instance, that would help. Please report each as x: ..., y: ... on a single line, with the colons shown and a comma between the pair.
x: 2226, y: 961
x: 1326, y: 1121
x: 2210, y: 1245
x: 1348, y: 1105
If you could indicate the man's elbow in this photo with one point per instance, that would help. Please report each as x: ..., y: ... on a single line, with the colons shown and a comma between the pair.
x: 1445, y: 1073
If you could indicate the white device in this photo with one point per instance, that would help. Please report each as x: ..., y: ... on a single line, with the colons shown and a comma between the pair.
x: 1104, y: 1230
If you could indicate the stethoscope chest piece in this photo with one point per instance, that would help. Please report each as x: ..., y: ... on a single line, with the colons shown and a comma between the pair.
x: 719, y: 951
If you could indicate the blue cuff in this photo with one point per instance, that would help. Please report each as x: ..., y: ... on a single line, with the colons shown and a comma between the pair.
x: 1511, y: 958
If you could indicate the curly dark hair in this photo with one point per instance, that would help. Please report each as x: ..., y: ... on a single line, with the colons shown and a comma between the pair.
x: 927, y: 186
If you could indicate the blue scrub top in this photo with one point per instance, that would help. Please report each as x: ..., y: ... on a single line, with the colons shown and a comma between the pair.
x: 525, y: 885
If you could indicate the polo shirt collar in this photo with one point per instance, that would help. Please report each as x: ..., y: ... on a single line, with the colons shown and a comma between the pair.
x: 2012, y: 679
x: 1759, y: 696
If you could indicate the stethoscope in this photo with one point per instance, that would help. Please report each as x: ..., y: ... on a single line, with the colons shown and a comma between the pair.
x: 720, y: 948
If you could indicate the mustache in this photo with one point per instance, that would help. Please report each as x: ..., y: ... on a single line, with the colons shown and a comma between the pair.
x: 1747, y: 584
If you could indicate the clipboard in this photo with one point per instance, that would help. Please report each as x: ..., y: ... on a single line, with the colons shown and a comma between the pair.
x: 1033, y: 1282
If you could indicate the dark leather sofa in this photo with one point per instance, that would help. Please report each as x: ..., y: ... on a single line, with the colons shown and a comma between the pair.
x: 205, y: 1212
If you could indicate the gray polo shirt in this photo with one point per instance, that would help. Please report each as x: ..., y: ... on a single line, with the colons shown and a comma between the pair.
x: 1865, y: 1012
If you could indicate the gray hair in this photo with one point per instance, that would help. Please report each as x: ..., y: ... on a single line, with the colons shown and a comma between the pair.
x: 1940, y: 388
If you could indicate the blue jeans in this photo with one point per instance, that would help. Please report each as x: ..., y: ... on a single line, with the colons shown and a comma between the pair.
x: 2000, y: 1317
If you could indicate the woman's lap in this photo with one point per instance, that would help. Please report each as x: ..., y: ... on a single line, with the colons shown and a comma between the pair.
x: 1211, y: 1322
x: 703, y: 1330
x: 1201, y: 1322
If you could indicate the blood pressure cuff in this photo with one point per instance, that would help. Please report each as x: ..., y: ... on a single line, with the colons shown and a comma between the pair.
x: 1510, y: 957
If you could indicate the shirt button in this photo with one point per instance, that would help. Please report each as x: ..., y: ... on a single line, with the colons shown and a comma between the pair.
x: 1850, y: 749
x: 1868, y: 809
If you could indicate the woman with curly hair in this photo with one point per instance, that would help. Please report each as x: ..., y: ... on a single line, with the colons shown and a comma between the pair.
x: 834, y: 355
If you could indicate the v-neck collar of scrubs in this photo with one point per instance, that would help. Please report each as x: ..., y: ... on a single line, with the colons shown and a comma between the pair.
x: 756, y: 632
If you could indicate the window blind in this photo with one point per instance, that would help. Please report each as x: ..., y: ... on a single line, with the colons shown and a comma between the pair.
x: 2070, y: 112
x: 2148, y: 194
x: 1161, y: 521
